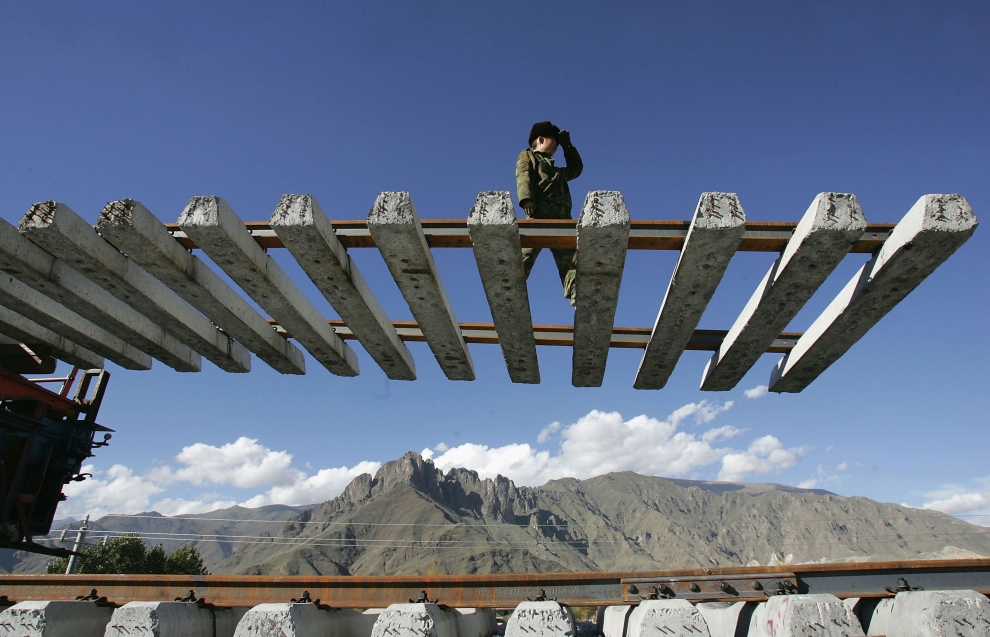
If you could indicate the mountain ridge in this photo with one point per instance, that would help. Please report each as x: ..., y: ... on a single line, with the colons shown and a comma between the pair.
x: 413, y: 518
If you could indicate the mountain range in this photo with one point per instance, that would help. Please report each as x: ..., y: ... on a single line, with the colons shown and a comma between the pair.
x: 413, y: 518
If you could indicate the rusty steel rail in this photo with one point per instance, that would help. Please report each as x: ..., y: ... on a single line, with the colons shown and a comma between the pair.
x: 760, y: 236
x: 867, y: 579
x: 561, y: 335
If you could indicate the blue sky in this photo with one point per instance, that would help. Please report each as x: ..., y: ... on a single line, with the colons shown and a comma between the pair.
x: 777, y: 102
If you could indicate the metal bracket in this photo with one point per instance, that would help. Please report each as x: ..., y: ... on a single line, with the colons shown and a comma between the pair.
x: 541, y: 596
x: 306, y: 599
x: 711, y: 587
x: 96, y: 598
x: 903, y: 586
x: 424, y: 599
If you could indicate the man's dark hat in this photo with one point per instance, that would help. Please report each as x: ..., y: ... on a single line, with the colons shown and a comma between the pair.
x: 543, y: 129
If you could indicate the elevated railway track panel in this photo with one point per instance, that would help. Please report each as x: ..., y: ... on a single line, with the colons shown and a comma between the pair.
x: 134, y: 289
x: 946, y: 597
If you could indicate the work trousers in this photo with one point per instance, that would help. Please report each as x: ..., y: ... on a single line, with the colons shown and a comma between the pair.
x: 566, y: 261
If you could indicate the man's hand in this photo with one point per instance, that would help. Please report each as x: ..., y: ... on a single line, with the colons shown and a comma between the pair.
x: 564, y: 138
x: 528, y: 205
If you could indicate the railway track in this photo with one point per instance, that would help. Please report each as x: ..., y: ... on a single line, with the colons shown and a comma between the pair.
x: 741, y: 597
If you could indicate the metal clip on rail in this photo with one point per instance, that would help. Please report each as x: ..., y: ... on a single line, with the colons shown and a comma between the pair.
x: 306, y: 599
x: 903, y: 586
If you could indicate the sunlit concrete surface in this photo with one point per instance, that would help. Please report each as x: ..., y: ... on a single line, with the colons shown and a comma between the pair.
x: 928, y: 234
x: 602, y: 241
x: 304, y: 228
x: 716, y: 229
x: 67, y: 236
x: 826, y: 232
x: 30, y: 264
x: 134, y: 230
x: 395, y: 226
x: 222, y: 236
x: 494, y: 232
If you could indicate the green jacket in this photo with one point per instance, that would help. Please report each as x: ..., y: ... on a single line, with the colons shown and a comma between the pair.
x: 538, y: 179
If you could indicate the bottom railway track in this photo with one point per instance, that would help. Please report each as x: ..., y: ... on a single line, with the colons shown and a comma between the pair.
x: 755, y: 584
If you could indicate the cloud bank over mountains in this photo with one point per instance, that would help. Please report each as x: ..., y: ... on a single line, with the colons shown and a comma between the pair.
x: 599, y: 442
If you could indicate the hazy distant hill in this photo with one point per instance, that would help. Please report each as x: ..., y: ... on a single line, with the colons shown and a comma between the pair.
x: 412, y: 518
x: 211, y: 533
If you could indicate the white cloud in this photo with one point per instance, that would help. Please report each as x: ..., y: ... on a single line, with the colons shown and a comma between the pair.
x: 765, y: 455
x: 811, y: 483
x: 178, y: 506
x: 116, y: 490
x: 441, y: 447
x: 242, y: 463
x: 973, y: 505
x: 722, y: 433
x: 324, y: 485
x: 548, y: 431
x: 959, y: 503
x: 757, y: 392
x: 602, y: 442
x: 842, y: 466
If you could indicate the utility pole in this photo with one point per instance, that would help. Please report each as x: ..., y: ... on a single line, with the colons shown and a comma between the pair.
x: 80, y: 536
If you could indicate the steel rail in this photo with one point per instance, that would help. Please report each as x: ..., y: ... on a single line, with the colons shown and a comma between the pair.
x: 760, y: 236
x: 866, y: 579
x: 561, y: 335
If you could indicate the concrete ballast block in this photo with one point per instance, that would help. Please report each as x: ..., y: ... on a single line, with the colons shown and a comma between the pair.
x: 934, y: 228
x: 614, y: 620
x: 55, y: 619
x: 161, y: 619
x: 826, y: 232
x: 602, y: 240
x: 134, y: 230
x: 932, y: 614
x: 304, y: 228
x: 667, y: 618
x: 63, y: 233
x: 28, y: 302
x: 24, y: 330
x: 801, y: 615
x: 713, y: 237
x: 289, y: 620
x: 396, y: 229
x: 541, y: 619
x: 494, y: 232
x: 725, y: 619
x: 221, y: 234
x: 51, y: 277
x: 415, y: 620
x: 474, y: 622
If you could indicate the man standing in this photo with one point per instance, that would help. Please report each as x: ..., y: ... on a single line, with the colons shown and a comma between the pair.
x: 543, y: 192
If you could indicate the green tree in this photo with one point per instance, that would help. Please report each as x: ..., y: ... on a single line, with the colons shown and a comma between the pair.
x: 129, y: 555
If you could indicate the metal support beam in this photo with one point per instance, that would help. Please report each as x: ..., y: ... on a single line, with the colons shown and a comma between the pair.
x: 221, y: 234
x: 495, y: 234
x: 716, y: 230
x: 928, y: 234
x: 134, y: 230
x: 562, y: 336
x: 63, y: 233
x: 862, y: 579
x: 25, y: 330
x: 305, y: 230
x: 644, y: 234
x: 28, y: 302
x: 56, y: 280
x: 825, y: 234
x: 603, y: 234
x: 395, y: 226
